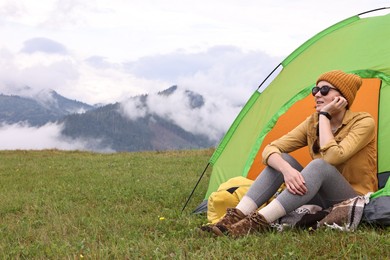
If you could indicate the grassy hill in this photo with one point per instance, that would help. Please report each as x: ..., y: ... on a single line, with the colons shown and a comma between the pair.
x: 79, y: 205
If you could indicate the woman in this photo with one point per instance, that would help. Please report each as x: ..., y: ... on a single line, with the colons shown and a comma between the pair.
x: 342, y: 145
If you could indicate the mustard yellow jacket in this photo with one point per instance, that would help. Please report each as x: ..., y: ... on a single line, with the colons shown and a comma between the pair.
x: 352, y: 151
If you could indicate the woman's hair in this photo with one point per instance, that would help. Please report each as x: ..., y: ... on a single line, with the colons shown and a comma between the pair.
x: 316, y: 145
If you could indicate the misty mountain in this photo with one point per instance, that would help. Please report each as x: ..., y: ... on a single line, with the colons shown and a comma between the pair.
x: 37, y: 111
x: 108, y: 127
x: 196, y: 100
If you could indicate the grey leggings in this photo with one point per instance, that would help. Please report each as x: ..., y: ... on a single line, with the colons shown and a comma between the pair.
x: 325, y: 185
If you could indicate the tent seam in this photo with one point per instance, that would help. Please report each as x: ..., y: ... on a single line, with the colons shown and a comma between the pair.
x: 268, y: 127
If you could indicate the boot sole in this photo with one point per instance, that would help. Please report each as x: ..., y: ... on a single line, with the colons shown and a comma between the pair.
x: 217, y: 231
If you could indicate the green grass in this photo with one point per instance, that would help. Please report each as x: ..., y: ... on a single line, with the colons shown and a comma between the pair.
x: 72, y: 205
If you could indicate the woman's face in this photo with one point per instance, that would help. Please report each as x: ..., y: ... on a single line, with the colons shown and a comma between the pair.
x: 322, y: 99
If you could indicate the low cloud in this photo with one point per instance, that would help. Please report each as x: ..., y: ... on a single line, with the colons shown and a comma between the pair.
x: 24, y: 137
x: 225, y: 76
x: 134, y: 108
x: 212, y: 119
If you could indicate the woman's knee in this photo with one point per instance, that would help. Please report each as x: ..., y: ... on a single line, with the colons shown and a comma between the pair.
x: 317, y: 162
x: 319, y: 166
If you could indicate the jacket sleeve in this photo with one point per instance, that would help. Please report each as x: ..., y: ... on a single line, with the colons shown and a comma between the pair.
x: 361, y: 133
x: 290, y: 142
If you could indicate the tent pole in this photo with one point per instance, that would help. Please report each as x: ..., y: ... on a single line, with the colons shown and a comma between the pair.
x: 269, y: 75
x: 374, y: 10
x: 196, y: 185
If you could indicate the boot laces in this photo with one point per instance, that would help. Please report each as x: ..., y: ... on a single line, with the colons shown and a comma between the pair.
x: 257, y: 218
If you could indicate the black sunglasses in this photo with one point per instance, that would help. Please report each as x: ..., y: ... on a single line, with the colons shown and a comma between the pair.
x: 324, y: 90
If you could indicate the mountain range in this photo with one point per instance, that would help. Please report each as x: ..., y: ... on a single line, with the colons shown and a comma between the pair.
x: 104, y: 126
x: 37, y: 111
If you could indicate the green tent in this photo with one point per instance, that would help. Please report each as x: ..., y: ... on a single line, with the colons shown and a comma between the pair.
x: 359, y: 44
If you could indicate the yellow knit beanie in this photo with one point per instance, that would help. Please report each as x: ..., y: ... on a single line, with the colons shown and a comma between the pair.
x: 347, y: 84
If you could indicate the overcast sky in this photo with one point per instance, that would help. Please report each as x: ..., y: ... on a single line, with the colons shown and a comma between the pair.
x: 103, y: 51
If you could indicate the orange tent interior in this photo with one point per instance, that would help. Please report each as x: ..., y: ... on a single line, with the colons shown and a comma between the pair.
x: 367, y: 99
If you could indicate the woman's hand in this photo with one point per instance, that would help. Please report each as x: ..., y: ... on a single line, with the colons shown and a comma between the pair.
x: 337, y: 105
x: 294, y: 181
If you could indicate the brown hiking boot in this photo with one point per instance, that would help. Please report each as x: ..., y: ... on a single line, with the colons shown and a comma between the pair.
x: 232, y: 216
x: 207, y: 228
x: 254, y: 222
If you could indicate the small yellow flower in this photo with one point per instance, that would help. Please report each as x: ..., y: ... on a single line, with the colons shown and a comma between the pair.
x: 162, y: 218
x: 81, y: 256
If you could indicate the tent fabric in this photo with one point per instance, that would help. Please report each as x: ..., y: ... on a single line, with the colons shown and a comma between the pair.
x: 356, y: 45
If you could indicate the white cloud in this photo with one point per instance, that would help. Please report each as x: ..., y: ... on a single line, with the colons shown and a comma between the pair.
x: 28, y: 74
x: 224, y: 75
x: 212, y: 119
x: 220, y: 71
x: 132, y: 29
x: 134, y: 108
x: 19, y: 136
